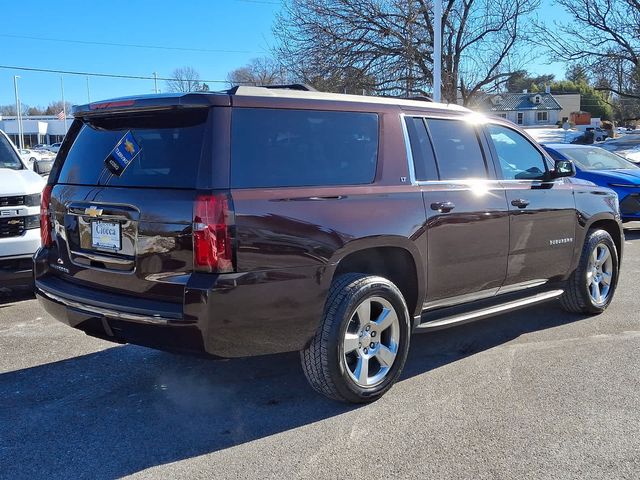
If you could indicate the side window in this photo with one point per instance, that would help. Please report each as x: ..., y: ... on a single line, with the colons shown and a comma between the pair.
x: 457, y: 149
x: 287, y: 148
x: 421, y: 150
x: 519, y: 159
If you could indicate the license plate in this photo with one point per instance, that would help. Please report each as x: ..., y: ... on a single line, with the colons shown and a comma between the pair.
x: 106, y: 235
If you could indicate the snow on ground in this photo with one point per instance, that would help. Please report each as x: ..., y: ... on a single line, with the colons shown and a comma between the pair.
x: 552, y: 135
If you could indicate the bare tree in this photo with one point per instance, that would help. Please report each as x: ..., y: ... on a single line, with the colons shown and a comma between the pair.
x: 56, y: 107
x: 10, y: 110
x: 184, y: 79
x: 391, y: 43
x: 259, y: 71
x: 602, y: 36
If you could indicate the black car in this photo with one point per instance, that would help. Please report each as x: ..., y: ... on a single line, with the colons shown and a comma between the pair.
x: 259, y: 221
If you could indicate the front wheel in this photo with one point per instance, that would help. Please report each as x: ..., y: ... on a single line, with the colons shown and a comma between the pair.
x: 591, y: 286
x: 361, y: 346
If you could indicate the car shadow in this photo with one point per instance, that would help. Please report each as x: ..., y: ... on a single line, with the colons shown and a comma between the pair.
x: 127, y: 408
x: 15, y: 294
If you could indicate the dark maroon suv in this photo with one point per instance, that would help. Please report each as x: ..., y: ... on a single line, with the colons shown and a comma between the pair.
x: 260, y: 220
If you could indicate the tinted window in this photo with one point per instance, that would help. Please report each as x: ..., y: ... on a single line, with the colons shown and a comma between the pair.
x: 170, y: 146
x: 8, y: 156
x: 421, y: 149
x: 284, y: 148
x: 519, y: 159
x: 458, y: 152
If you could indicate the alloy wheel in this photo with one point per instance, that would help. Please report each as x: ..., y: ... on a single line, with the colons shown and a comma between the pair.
x: 599, y: 274
x: 371, y: 340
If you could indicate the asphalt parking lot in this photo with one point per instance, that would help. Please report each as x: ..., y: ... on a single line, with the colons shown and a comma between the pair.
x: 535, y: 394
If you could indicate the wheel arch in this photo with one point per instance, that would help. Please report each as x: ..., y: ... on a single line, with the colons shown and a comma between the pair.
x: 395, y: 258
x: 613, y: 228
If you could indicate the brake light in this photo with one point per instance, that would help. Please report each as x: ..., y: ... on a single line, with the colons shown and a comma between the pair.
x: 46, y: 239
x: 212, y: 240
x: 106, y: 105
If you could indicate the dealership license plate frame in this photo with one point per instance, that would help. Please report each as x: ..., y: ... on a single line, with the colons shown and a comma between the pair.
x: 111, y: 243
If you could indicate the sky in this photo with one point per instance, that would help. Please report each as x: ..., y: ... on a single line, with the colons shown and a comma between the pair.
x: 213, y: 36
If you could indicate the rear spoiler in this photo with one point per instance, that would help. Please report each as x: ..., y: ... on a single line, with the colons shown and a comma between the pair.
x: 151, y: 102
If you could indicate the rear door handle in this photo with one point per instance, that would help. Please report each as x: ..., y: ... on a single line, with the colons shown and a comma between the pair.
x: 520, y: 202
x: 443, y: 207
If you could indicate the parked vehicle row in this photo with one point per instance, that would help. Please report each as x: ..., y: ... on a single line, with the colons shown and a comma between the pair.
x: 258, y: 221
x: 40, y: 161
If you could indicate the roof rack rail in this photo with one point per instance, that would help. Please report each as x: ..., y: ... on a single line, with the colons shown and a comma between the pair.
x: 292, y: 86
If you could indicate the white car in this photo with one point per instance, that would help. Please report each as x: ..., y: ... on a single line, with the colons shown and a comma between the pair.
x: 55, y: 147
x: 31, y: 156
x: 20, y: 196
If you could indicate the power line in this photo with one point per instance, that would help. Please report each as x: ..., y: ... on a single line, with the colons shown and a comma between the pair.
x: 264, y: 2
x: 128, y: 45
x: 106, y: 75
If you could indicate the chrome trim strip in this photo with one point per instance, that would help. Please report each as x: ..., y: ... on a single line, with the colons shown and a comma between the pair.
x: 100, y: 258
x: 91, y: 309
x: 491, y: 311
x: 460, y: 299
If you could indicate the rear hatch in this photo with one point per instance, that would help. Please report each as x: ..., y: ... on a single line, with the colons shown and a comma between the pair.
x: 123, y: 199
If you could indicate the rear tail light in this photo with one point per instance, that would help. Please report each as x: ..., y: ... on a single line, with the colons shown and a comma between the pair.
x: 212, y: 239
x: 46, y: 238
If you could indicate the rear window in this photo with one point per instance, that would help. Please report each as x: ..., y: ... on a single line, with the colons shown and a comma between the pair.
x: 287, y: 148
x: 168, y: 148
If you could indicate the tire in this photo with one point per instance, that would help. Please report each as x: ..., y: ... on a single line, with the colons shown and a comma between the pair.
x: 334, y: 361
x: 579, y: 289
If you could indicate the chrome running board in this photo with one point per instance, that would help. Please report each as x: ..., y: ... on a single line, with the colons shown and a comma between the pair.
x: 488, y: 311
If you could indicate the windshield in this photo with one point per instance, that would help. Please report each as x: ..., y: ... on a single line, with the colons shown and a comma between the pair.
x: 596, y: 158
x: 8, y: 157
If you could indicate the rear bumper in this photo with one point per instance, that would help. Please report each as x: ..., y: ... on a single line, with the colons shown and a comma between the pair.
x: 231, y: 315
x: 151, y: 330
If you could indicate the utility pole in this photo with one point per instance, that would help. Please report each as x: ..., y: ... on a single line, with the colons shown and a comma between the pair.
x: 88, y: 93
x: 155, y: 81
x: 437, y: 50
x: 64, y: 105
x: 18, y: 112
x: 409, y: 83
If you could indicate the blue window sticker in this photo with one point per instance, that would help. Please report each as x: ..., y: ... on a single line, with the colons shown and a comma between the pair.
x: 123, y: 154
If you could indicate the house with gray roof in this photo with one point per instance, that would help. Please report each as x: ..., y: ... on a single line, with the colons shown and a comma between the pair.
x: 526, y: 109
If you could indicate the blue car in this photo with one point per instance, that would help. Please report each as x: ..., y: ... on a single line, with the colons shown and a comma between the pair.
x: 605, y: 169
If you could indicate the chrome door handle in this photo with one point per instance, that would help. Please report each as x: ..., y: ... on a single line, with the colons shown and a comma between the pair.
x: 443, y: 207
x: 520, y: 202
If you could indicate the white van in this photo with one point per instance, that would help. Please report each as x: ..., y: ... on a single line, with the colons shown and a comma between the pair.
x: 20, y: 192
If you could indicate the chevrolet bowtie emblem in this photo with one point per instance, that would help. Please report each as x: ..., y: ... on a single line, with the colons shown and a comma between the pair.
x: 13, y: 222
x: 93, y: 211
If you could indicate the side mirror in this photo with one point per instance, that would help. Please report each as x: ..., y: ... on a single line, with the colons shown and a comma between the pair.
x: 564, y: 168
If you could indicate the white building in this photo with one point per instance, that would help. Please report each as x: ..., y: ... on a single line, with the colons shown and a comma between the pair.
x: 36, y: 129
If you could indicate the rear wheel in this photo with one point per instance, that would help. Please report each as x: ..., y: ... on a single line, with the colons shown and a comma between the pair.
x: 361, y: 347
x: 591, y: 287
